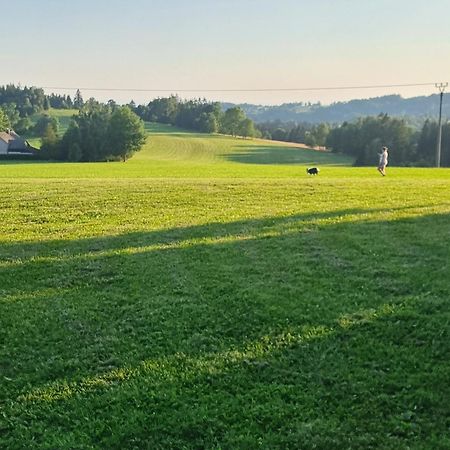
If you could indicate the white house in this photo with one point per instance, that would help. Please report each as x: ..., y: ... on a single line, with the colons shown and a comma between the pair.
x: 12, y: 144
x: 4, y: 142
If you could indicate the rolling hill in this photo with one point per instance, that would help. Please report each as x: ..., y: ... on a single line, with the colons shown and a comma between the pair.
x: 415, y: 109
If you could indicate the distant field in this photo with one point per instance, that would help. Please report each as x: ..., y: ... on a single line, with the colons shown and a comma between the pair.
x: 177, y: 153
x: 64, y: 117
x: 208, y: 294
x: 170, y: 143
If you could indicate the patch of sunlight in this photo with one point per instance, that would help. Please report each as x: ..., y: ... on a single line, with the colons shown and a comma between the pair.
x: 171, y: 368
x: 366, y: 316
x: 285, y: 226
x: 34, y: 295
x: 133, y: 250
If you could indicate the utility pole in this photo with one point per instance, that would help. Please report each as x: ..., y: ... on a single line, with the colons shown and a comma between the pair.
x: 441, y: 87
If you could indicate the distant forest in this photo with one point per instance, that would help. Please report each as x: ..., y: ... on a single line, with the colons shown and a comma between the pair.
x: 18, y: 103
x: 198, y: 115
x: 416, y: 110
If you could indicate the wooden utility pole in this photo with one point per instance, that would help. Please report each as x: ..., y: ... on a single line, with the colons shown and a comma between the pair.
x: 441, y: 87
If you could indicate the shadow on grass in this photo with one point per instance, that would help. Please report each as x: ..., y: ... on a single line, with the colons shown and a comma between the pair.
x: 269, y: 154
x: 173, y: 131
x: 17, y: 251
x: 272, y: 328
x: 10, y: 162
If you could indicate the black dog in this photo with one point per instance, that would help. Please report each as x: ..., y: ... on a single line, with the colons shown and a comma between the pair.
x: 312, y: 171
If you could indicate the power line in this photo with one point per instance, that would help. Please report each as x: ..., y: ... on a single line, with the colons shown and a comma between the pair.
x: 317, y: 88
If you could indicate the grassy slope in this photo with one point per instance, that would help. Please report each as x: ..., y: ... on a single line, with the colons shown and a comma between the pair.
x: 64, y: 117
x: 189, y: 300
x: 171, y: 152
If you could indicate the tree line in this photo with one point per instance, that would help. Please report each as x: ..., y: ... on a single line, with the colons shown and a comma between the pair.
x: 18, y: 103
x: 97, y: 133
x: 364, y: 137
x: 26, y: 100
x: 303, y: 132
x: 197, y: 115
x: 29, y: 100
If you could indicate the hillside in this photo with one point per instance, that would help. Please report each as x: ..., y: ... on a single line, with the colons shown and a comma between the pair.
x: 171, y: 151
x: 394, y: 105
x: 167, y: 142
x: 63, y: 116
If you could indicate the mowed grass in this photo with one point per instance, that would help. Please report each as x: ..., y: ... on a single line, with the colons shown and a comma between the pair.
x: 187, y: 299
x: 172, y: 152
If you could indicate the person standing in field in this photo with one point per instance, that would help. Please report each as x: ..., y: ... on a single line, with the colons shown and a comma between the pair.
x: 383, y: 161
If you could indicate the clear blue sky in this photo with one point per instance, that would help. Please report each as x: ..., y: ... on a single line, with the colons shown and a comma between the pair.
x: 226, y: 44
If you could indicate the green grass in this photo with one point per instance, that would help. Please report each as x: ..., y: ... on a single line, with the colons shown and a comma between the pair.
x: 64, y: 117
x: 188, y: 299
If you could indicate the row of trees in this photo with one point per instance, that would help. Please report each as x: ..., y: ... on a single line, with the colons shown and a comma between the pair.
x: 426, y: 144
x: 305, y: 133
x: 57, y: 101
x: 13, y: 118
x: 199, y: 115
x: 97, y: 133
x: 24, y: 125
x: 364, y: 138
x: 27, y: 100
x: 19, y: 103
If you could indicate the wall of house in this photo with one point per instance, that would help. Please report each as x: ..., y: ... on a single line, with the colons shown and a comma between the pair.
x: 3, y: 147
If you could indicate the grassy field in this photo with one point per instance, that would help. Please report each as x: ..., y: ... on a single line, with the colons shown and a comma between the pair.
x: 208, y: 294
x: 64, y: 117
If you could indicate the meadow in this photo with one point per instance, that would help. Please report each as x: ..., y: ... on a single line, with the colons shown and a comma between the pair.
x: 209, y: 294
x: 64, y: 117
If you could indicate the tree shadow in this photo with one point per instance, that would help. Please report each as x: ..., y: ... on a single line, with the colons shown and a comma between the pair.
x: 91, y: 307
x: 10, y: 162
x: 174, y: 131
x: 20, y: 250
x: 282, y: 155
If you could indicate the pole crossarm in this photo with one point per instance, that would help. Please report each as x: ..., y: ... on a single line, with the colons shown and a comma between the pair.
x: 441, y: 87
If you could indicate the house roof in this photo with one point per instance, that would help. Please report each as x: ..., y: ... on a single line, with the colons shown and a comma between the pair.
x: 16, y: 144
x: 6, y: 137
